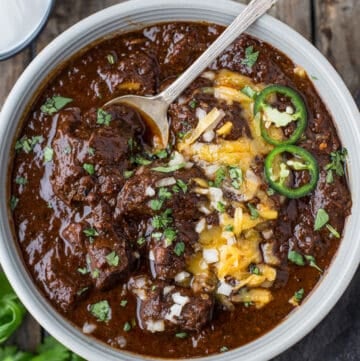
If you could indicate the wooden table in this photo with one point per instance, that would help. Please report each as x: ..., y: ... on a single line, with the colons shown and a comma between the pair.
x: 331, y: 26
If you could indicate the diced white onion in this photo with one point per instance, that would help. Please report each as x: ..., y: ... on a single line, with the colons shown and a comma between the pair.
x: 200, y: 226
x: 176, y: 159
x: 136, y: 254
x: 267, y: 234
x: 204, y: 210
x: 140, y: 282
x: 150, y: 191
x: 216, y: 196
x: 181, y: 276
x: 175, y: 310
x: 189, y: 165
x: 209, y: 135
x: 181, y: 100
x: 165, y: 182
x: 151, y: 255
x: 121, y: 341
x: 200, y: 113
x: 224, y: 289
x: 210, y: 255
x: 289, y: 110
x: 210, y: 75
x: 210, y: 170
x: 88, y: 328
x: 155, y: 326
x: 179, y: 299
x: 168, y: 289
x: 268, y: 254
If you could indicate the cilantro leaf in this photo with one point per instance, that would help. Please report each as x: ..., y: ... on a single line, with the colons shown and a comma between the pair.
x: 54, y: 104
x: 321, y: 219
x: 103, y: 117
x: 101, y: 310
x: 112, y: 259
x: 89, y: 168
x: 48, y: 154
x: 179, y: 248
x: 251, y: 57
x: 296, y: 258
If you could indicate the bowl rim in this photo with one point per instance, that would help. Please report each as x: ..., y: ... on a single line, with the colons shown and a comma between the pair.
x: 343, y: 266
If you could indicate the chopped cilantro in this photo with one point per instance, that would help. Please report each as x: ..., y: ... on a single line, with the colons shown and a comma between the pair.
x: 13, y: 202
x: 82, y: 290
x: 103, y: 117
x: 181, y: 135
x: 95, y: 273
x: 156, y: 235
x: 299, y: 295
x: 48, y: 154
x: 162, y: 220
x: 296, y: 258
x: 101, y: 310
x: 90, y: 232
x: 156, y: 204
x: 127, y: 326
x: 248, y: 304
x: 181, y: 335
x: 312, y: 262
x: 123, y: 303
x: 89, y: 168
x: 251, y: 57
x: 220, y: 206
x: 161, y: 154
x: 140, y: 241
x: 321, y: 219
x: 170, y: 235
x: 21, y: 180
x: 54, y: 104
x: 229, y: 228
x: 219, y: 177
x: 235, y: 174
x: 111, y: 59
x: 193, y: 104
x: 253, y: 269
x: 164, y: 193
x: 270, y: 192
x: 91, y: 151
x: 128, y: 173
x: 333, y: 231
x: 179, y: 248
x: 138, y: 159
x: 83, y: 270
x: 27, y: 145
x: 254, y: 213
x: 112, y: 259
x: 182, y: 185
x: 336, y: 164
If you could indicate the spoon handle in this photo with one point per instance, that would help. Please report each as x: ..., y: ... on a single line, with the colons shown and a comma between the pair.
x: 252, y: 12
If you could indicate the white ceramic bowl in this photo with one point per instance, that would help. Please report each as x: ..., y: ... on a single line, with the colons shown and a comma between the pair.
x: 136, y: 14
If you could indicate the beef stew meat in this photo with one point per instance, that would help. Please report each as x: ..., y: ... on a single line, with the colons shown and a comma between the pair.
x: 191, y: 250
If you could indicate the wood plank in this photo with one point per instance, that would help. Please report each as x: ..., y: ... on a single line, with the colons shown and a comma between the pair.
x: 67, y: 13
x: 295, y: 13
x: 338, y: 37
x: 10, y: 70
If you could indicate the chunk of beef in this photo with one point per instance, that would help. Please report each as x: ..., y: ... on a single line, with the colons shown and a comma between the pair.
x: 134, y: 198
x: 162, y: 307
x: 89, y: 158
x: 109, y: 259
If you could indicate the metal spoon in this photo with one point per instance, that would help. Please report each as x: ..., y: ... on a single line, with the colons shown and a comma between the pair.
x: 154, y: 108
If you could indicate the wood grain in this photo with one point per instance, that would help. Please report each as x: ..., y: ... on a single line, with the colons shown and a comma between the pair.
x: 337, y: 36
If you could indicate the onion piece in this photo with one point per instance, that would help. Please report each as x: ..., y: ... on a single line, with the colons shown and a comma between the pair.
x: 165, y: 182
x: 224, y: 289
x: 155, y: 326
x: 210, y: 255
x: 200, y: 226
x: 181, y: 276
x: 149, y: 191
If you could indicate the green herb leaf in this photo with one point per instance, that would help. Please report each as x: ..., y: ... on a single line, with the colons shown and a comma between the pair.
x: 235, y: 174
x: 27, y: 145
x: 103, y: 117
x: 249, y: 91
x: 127, y: 326
x: 164, y: 193
x: 128, y: 173
x: 91, y: 151
x: 95, y: 273
x: 181, y: 335
x: 82, y: 290
x: 54, y: 104
x: 312, y: 262
x: 123, y: 303
x: 156, y: 235
x: 13, y: 202
x: 140, y: 241
x: 270, y: 192
x: 333, y: 231
x: 179, y: 248
x: 156, y: 204
x: 48, y: 154
x: 229, y: 228
x: 254, y: 213
x: 11, y: 310
x: 296, y: 258
x: 182, y: 185
x: 83, y: 270
x: 101, y: 310
x: 193, y: 104
x: 163, y: 220
x: 112, y: 259
x: 21, y: 180
x: 219, y: 177
x: 161, y: 154
x: 336, y: 165
x: 248, y: 304
x: 220, y: 207
x: 138, y: 159
x: 90, y: 232
x: 321, y: 219
x: 169, y: 169
x: 253, y: 269
x: 224, y: 349
x: 251, y: 57
x: 170, y: 235
x: 299, y: 295
x: 89, y: 168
